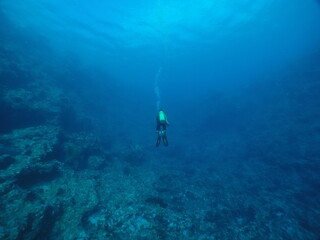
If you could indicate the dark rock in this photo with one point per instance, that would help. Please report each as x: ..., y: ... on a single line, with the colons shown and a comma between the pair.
x: 249, y: 213
x: 31, y: 196
x: 73, y: 201
x: 28, y: 152
x: 6, y: 148
x: 211, y: 217
x: 161, y: 226
x: 26, y: 228
x: 5, y: 188
x: 190, y: 195
x: 5, y: 162
x: 219, y: 218
x: 48, y: 219
x: 308, y: 224
x: 20, y: 117
x: 75, y: 157
x: 157, y: 201
x: 37, y: 174
x: 84, y: 152
x: 40, y: 226
x: 86, y: 215
x: 307, y: 197
x: 60, y: 192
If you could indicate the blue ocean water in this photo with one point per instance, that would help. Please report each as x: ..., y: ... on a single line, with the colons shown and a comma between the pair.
x: 81, y: 86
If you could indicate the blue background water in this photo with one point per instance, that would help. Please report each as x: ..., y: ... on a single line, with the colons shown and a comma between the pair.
x: 239, y: 81
x: 202, y: 46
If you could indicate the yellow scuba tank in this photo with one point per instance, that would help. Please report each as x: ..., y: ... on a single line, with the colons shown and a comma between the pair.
x: 162, y: 117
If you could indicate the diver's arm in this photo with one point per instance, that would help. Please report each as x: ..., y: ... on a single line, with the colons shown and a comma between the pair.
x: 167, y: 122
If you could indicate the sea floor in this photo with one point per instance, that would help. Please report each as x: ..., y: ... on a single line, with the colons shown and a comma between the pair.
x: 73, y: 189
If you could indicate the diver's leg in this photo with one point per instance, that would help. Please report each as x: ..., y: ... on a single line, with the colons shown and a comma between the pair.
x: 165, y: 140
x: 158, y: 141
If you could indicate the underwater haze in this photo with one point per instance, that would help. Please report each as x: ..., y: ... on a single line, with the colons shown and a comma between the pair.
x: 86, y: 153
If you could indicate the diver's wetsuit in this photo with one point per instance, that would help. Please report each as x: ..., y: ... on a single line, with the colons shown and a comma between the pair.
x: 161, y: 129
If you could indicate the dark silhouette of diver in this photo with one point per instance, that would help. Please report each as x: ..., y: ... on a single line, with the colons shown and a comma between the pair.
x: 162, y: 123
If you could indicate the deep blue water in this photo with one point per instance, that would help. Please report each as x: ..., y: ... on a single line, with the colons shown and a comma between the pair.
x: 81, y: 83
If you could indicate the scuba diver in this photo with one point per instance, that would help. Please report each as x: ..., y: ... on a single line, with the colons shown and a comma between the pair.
x: 162, y: 123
